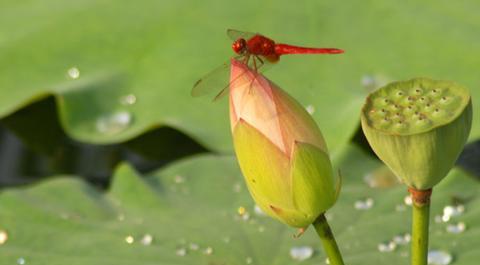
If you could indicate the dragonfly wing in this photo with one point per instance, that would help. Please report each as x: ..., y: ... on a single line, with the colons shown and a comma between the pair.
x: 234, y: 34
x: 218, y: 81
x: 213, y: 81
x: 254, y: 63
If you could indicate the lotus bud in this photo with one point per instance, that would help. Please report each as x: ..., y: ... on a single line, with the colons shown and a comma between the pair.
x: 418, y: 128
x: 280, y: 150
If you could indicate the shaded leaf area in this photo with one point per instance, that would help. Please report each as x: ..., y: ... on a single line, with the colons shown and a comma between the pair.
x: 470, y: 158
x: 190, y: 211
x: 93, y: 55
x: 39, y: 147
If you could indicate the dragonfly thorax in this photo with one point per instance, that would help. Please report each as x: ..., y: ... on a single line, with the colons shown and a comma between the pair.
x: 240, y: 46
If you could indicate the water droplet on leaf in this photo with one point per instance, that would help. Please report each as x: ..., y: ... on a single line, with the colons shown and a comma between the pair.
x: 364, y: 205
x: 129, y: 99
x: 402, y: 239
x: 408, y: 200
x: 21, y: 261
x: 146, y: 240
x: 438, y: 257
x: 450, y: 211
x: 73, y: 73
x: 181, y: 252
x: 3, y: 237
x: 194, y: 246
x: 310, y: 109
x: 456, y: 228
x: 208, y: 251
x: 301, y: 253
x: 114, y: 123
x: 129, y: 239
x: 258, y: 210
x: 387, y: 246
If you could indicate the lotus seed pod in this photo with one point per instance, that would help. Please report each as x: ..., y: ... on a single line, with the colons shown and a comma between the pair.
x: 418, y: 128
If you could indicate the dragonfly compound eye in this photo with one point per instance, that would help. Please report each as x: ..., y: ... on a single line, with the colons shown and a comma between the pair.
x: 239, y: 46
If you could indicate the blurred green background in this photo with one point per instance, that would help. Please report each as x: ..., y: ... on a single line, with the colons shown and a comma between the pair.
x: 87, y: 85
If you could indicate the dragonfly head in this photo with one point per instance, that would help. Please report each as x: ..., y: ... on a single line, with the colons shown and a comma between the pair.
x: 240, y: 46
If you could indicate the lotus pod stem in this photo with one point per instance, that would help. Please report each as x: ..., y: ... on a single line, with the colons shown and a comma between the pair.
x: 420, y: 223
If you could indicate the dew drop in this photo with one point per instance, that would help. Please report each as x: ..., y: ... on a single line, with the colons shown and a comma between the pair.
x: 146, y: 240
x: 208, y: 251
x: 327, y: 261
x: 438, y: 257
x: 114, y: 123
x: 387, y: 246
x: 249, y: 260
x: 181, y: 252
x: 408, y: 200
x: 21, y: 261
x: 129, y: 239
x: 310, y: 109
x: 450, y: 211
x: 456, y: 228
x: 301, y: 253
x: 402, y: 239
x: 258, y: 210
x: 364, y: 205
x: 193, y: 246
x: 129, y: 99
x: 73, y: 73
x: 3, y: 237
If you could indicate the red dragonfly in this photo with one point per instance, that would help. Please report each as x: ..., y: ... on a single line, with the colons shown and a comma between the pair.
x: 254, y: 50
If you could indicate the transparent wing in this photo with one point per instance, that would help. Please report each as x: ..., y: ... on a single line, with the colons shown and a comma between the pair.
x: 234, y: 34
x: 218, y: 81
x: 213, y: 81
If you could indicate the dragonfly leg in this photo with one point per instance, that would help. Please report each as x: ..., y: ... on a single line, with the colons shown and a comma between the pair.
x: 260, y: 60
x: 254, y: 58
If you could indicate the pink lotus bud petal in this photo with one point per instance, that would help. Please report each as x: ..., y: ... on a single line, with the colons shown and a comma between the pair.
x: 280, y: 150
x: 270, y: 110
